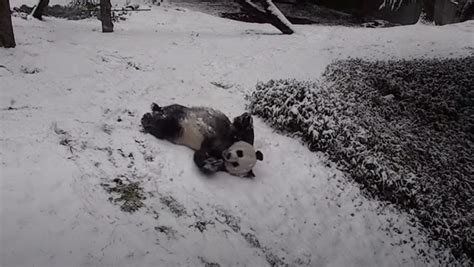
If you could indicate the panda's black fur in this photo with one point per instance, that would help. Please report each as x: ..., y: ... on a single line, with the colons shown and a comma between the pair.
x: 207, y: 131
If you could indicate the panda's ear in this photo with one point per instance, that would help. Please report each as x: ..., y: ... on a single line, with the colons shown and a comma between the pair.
x: 155, y: 107
x: 259, y: 155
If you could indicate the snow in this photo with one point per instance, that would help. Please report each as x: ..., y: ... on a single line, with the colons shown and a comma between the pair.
x: 371, y: 137
x: 73, y: 124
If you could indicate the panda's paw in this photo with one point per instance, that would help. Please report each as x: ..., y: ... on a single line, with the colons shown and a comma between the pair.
x: 155, y: 107
x: 212, y: 165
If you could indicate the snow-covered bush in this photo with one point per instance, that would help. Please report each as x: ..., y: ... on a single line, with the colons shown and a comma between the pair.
x: 404, y: 130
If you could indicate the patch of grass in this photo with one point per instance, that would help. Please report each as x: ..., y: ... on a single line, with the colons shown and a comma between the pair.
x: 208, y: 263
x: 175, y: 207
x: 201, y: 225
x: 29, y: 70
x: 403, y: 129
x: 222, y: 85
x: 251, y: 239
x: 167, y: 230
x: 128, y: 195
x: 225, y: 217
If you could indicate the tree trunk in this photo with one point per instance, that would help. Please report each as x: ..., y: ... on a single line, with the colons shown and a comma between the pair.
x: 106, y: 16
x: 467, y: 11
x: 39, y: 10
x: 7, y: 39
x: 270, y: 14
x: 428, y: 8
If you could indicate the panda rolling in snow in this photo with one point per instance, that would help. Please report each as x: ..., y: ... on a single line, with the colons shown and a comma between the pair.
x: 219, y: 144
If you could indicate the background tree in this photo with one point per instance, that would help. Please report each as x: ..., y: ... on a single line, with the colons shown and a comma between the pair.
x: 7, y: 39
x: 106, y: 16
x: 440, y: 11
x: 428, y: 9
x: 467, y: 11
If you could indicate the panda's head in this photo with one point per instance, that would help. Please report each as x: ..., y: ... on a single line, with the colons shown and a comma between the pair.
x: 240, y: 158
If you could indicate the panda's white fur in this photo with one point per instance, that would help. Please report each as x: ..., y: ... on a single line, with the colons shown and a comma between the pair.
x: 197, y: 124
x: 193, y: 131
x: 240, y: 158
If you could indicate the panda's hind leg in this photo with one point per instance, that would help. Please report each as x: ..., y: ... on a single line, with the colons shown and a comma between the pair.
x: 160, y: 126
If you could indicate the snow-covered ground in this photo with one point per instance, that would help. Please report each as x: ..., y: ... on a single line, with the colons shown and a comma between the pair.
x: 70, y: 106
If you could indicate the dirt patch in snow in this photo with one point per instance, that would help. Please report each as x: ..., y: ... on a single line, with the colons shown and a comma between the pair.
x: 167, y: 230
x: 174, y: 206
x: 403, y: 129
x: 225, y: 217
x: 207, y: 263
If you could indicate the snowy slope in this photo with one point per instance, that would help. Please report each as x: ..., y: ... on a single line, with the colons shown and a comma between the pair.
x: 70, y: 105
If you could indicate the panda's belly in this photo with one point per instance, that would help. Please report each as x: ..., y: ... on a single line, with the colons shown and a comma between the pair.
x: 191, y: 138
x: 193, y: 132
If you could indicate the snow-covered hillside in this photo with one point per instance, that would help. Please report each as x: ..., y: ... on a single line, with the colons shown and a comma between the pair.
x: 70, y: 106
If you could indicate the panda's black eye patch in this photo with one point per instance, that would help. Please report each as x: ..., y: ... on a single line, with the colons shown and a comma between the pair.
x: 235, y: 164
x: 240, y: 153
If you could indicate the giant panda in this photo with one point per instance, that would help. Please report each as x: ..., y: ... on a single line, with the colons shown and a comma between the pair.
x: 219, y: 144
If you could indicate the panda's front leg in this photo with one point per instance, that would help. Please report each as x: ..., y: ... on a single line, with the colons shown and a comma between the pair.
x: 208, y: 164
x: 243, y: 125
